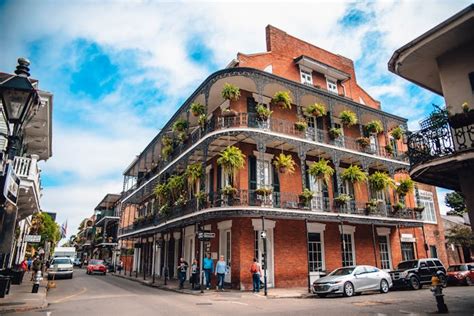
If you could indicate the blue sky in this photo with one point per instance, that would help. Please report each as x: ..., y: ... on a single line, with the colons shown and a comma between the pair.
x: 119, y: 70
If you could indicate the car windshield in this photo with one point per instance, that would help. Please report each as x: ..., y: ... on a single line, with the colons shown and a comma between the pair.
x: 343, y: 271
x: 61, y: 261
x: 457, y: 268
x: 407, y: 265
x: 97, y: 262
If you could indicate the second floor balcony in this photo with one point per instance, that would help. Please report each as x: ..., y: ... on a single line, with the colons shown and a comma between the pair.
x: 29, y: 193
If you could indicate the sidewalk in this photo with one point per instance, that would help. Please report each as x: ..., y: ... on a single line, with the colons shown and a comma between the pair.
x: 173, y: 285
x: 21, y: 299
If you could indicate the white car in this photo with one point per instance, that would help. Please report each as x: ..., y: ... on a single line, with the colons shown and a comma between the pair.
x: 353, y: 280
x: 61, y: 267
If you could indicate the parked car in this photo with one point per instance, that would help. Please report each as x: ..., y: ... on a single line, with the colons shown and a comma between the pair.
x: 60, y: 267
x: 353, y: 280
x: 416, y: 273
x: 461, y: 274
x: 77, y: 262
x: 96, y: 266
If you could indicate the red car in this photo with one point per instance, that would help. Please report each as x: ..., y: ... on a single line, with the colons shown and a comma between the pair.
x: 461, y: 274
x: 96, y: 266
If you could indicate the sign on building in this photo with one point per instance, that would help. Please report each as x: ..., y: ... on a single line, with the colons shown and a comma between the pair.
x: 33, y: 238
x: 12, y: 185
x: 205, y: 235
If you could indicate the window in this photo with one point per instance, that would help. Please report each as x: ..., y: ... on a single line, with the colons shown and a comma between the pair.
x: 266, y: 181
x: 438, y: 263
x: 315, y: 252
x: 384, y: 252
x: 433, y: 252
x: 332, y: 85
x: 394, y: 144
x: 306, y: 77
x: 408, y: 251
x: 430, y: 263
x: 347, y: 250
x: 426, y: 200
x: 340, y: 140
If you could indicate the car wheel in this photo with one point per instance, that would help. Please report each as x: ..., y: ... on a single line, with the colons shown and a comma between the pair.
x: 384, y: 286
x: 415, y: 283
x: 322, y: 295
x: 105, y: 273
x: 71, y: 276
x: 348, y: 289
x: 468, y: 281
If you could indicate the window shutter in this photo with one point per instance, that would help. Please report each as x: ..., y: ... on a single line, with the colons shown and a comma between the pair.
x: 251, y: 112
x: 307, y: 177
x: 219, y: 179
x: 252, y: 179
x: 276, y: 187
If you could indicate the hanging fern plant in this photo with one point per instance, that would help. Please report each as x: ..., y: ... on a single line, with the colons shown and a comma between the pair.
x: 193, y: 173
x: 348, y: 118
x: 397, y: 133
x: 230, y: 92
x: 380, y: 181
x: 335, y: 132
x: 405, y: 187
x: 263, y: 112
x: 354, y: 174
x: 282, y: 99
x: 321, y: 170
x: 231, y: 160
x: 284, y: 163
x: 374, y: 127
x: 305, y: 197
x: 316, y: 110
x: 180, y: 125
x: 301, y: 125
x: 197, y: 109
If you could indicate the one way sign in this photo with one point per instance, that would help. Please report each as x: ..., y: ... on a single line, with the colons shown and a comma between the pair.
x: 206, y: 235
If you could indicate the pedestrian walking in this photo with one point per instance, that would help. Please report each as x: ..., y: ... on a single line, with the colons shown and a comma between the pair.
x: 120, y: 266
x: 182, y: 268
x: 256, y: 271
x: 24, y: 265
x: 36, y: 265
x: 30, y: 261
x: 221, y: 270
x: 208, y: 267
x: 194, y: 274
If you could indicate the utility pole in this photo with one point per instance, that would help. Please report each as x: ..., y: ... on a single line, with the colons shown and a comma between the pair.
x: 264, y: 237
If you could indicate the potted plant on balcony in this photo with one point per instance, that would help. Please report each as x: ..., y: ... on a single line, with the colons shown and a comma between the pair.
x: 201, y: 198
x: 166, y: 151
x: 354, y: 174
x: 181, y: 201
x: 465, y: 118
x: 231, y: 160
x: 193, y: 173
x: 374, y: 127
x: 397, y: 133
x: 419, y: 209
x: 263, y: 112
x: 230, y: 92
x: 164, y: 210
x: 161, y: 192
x: 348, y: 118
x: 363, y: 142
x: 305, y: 197
x: 176, y: 185
x: 229, y: 113
x: 342, y: 199
x: 284, y: 163
x: 182, y: 136
x: 263, y: 191
x: 197, y: 109
x: 397, y: 207
x: 282, y: 99
x: 371, y: 206
x: 389, y: 149
x: 229, y: 191
x: 405, y: 187
x: 380, y: 181
x: 202, y: 120
x: 321, y: 170
x: 335, y: 133
x: 301, y: 125
x: 180, y: 125
x: 316, y: 110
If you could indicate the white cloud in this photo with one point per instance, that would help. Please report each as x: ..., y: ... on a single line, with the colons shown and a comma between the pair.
x: 443, y: 208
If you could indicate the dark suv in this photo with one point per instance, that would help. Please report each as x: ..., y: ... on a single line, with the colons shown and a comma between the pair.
x: 415, y: 273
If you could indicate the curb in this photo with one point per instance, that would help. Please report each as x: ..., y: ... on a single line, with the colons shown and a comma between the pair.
x: 28, y: 308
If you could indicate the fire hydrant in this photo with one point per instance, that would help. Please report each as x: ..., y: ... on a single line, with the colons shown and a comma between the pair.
x: 437, y: 289
x: 36, y: 282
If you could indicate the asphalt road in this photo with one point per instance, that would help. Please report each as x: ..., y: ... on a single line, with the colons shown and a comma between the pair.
x: 109, y: 295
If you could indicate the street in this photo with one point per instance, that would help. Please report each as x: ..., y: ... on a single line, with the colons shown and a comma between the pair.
x: 109, y: 295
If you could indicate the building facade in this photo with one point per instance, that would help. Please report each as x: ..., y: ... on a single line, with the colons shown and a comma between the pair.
x: 313, y: 223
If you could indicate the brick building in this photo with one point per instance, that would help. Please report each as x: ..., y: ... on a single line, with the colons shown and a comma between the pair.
x: 164, y: 206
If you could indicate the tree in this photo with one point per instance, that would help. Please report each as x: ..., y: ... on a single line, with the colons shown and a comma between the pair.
x: 455, y: 200
x: 460, y: 235
x: 42, y: 224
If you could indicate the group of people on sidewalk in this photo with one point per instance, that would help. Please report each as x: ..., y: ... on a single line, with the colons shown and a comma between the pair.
x: 220, y: 271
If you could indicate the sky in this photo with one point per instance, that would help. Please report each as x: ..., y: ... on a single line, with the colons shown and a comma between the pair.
x: 119, y: 69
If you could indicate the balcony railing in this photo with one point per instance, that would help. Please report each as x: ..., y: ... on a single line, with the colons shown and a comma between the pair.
x: 274, y: 200
x: 27, y: 170
x: 438, y: 139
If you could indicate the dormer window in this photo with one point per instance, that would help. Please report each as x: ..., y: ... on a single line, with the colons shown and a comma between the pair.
x: 332, y: 85
x: 306, y: 76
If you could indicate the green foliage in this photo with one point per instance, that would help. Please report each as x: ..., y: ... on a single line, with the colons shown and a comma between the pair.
x: 284, y: 163
x: 263, y: 112
x: 301, y: 125
x: 176, y: 185
x: 374, y: 127
x: 166, y: 140
x: 229, y: 190
x: 460, y: 235
x: 306, y: 196
x: 194, y: 172
x: 455, y: 200
x: 342, y: 199
x: 353, y: 174
x: 348, y: 118
x: 398, y: 206
x: 230, y: 92
x: 166, y: 151
x: 182, y: 136
x: 231, y: 160
x: 197, y: 109
x: 397, y: 132
x: 316, y: 110
x: 321, y: 170
x: 389, y: 149
x: 380, y: 181
x: 161, y: 192
x: 42, y: 224
x: 363, y: 141
x: 202, y: 120
x: 405, y: 186
x: 438, y: 116
x: 282, y: 99
x: 335, y: 133
x: 180, y: 125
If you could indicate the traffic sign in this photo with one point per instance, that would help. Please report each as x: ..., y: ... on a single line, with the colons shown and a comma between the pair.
x: 32, y: 238
x: 206, y: 235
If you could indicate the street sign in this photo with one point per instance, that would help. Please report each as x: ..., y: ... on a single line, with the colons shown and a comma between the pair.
x: 206, y: 235
x: 12, y: 185
x: 32, y: 238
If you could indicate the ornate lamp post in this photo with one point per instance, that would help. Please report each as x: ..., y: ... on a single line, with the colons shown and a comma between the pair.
x: 19, y: 100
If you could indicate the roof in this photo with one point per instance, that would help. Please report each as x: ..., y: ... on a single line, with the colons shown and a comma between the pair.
x: 417, y: 60
x: 108, y: 201
x: 456, y: 219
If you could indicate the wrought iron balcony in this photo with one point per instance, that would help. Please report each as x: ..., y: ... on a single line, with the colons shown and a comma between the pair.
x: 29, y: 195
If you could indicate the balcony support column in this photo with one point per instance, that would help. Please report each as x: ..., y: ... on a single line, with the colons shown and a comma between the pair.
x: 202, y: 181
x: 336, y: 159
x: 261, y: 148
x: 361, y: 127
x: 365, y: 167
x: 302, y: 156
x: 385, y: 131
